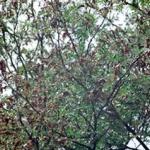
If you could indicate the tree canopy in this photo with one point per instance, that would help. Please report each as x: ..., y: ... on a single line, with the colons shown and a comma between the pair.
x: 74, y: 75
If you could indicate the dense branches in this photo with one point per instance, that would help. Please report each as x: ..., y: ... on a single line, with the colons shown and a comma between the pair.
x: 73, y: 76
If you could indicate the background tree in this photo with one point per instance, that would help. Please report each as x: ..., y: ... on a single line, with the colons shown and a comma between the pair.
x: 77, y: 78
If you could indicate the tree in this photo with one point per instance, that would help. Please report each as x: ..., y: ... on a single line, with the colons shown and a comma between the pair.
x: 78, y: 80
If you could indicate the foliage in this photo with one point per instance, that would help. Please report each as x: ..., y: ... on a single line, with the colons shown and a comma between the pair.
x: 78, y: 79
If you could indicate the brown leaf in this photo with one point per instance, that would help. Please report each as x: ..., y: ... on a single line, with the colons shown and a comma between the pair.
x: 117, y: 71
x: 2, y: 66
